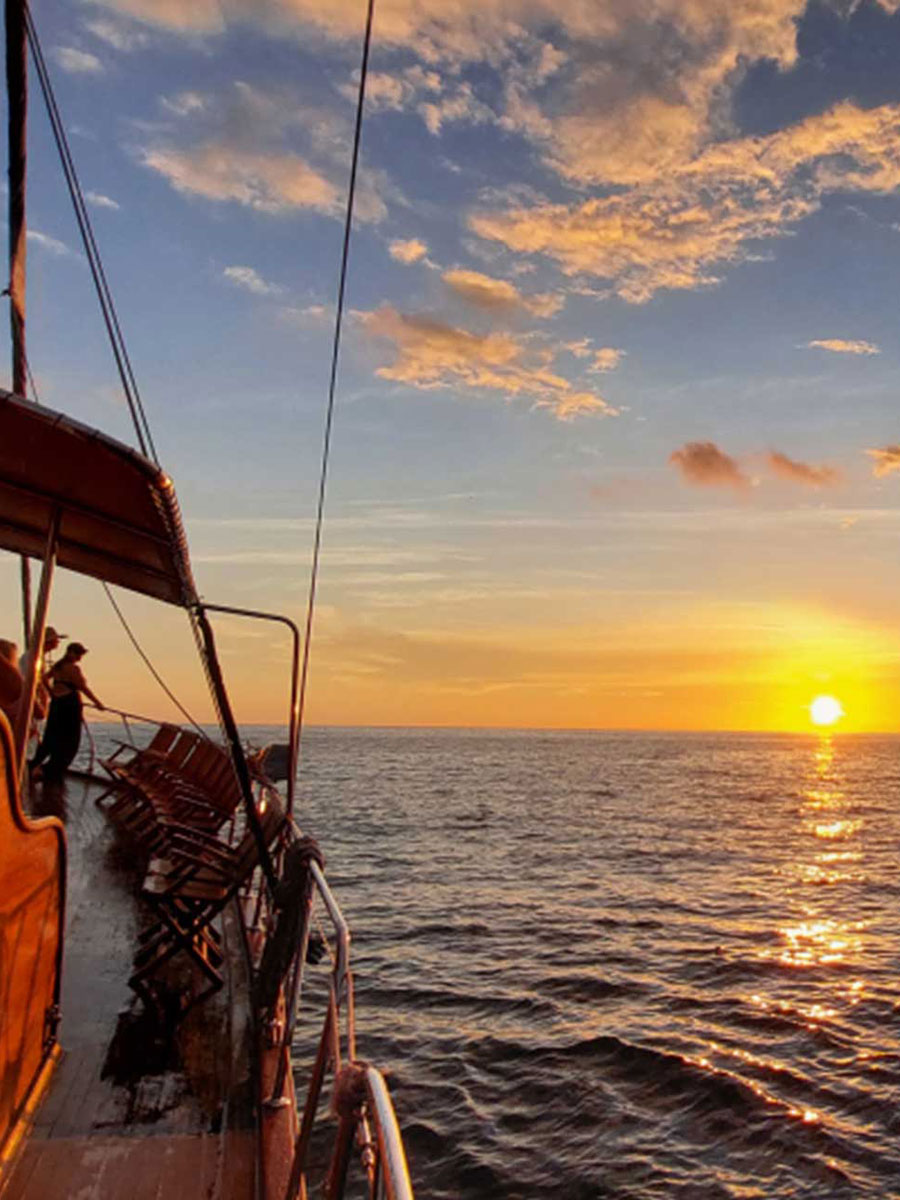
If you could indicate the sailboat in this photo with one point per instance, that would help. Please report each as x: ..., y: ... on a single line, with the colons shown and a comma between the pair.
x: 153, y: 946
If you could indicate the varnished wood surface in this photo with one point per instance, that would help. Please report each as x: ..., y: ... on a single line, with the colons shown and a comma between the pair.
x: 129, y: 1112
x: 32, y: 868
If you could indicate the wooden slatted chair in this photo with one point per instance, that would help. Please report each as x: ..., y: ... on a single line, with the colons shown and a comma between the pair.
x: 132, y: 777
x: 197, y: 803
x: 188, y: 891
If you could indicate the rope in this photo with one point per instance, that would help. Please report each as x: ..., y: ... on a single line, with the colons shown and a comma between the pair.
x: 335, y: 355
x: 82, y: 216
x: 149, y: 665
x: 110, y: 316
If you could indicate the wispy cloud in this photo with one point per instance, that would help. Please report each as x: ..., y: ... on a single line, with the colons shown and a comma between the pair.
x: 408, y: 251
x: 886, y: 460
x: 184, y: 103
x: 607, y: 358
x: 495, y: 295
x: 800, y: 472
x: 703, y: 464
x: 268, y: 182
x: 844, y: 346
x: 676, y: 229
x: 77, y: 62
x: 242, y: 147
x: 310, y: 314
x: 431, y: 354
x: 251, y: 281
x: 51, y: 244
x: 100, y: 201
x: 121, y: 36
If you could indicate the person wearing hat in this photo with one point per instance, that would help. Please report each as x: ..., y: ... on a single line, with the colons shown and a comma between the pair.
x: 62, y: 733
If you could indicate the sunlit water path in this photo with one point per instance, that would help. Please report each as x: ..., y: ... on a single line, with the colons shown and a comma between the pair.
x: 624, y: 965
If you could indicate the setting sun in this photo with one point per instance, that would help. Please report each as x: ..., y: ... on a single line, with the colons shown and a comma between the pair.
x: 825, y: 710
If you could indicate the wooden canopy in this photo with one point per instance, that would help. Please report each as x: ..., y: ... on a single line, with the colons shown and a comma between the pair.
x: 119, y: 518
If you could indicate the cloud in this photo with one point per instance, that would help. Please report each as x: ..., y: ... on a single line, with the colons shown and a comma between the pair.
x: 267, y: 182
x: 629, y: 100
x: 266, y: 150
x: 498, y: 295
x: 51, y: 244
x: 703, y: 464
x: 185, y: 103
x: 407, y: 252
x: 461, y: 105
x: 310, y: 315
x: 886, y: 460
x: 78, y: 62
x: 251, y: 281
x: 675, y: 229
x: 431, y: 354
x: 607, y: 358
x: 800, y: 472
x: 100, y: 201
x: 117, y: 34
x: 841, y: 346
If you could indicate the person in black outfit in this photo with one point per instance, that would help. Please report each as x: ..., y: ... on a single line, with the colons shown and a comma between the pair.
x: 62, y: 732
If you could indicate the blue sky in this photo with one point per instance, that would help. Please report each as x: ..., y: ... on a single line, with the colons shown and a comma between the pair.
x: 616, y: 438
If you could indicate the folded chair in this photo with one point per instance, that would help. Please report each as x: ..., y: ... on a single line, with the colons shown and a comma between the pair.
x: 187, y: 890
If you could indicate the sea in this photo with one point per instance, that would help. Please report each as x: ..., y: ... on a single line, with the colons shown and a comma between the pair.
x: 622, y: 965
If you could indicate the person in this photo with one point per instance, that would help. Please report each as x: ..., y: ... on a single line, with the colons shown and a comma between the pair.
x: 62, y: 733
x: 52, y: 640
x: 10, y: 680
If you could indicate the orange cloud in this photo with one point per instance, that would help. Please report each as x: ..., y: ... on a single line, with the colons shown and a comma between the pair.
x: 432, y: 354
x: 842, y: 346
x: 607, y: 358
x: 486, y: 292
x: 673, y: 229
x: 268, y: 182
x: 703, y: 464
x: 801, y: 472
x: 887, y: 460
x: 407, y: 252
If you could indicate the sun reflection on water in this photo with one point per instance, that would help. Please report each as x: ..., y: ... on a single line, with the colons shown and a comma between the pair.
x: 821, y: 935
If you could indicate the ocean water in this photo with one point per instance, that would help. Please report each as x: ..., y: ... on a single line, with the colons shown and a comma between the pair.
x: 622, y: 965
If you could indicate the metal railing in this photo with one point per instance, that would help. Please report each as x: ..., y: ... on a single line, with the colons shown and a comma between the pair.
x: 360, y: 1098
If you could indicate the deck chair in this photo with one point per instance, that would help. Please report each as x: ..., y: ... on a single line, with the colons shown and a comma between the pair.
x: 187, y: 893
x: 155, y: 761
x: 197, y: 802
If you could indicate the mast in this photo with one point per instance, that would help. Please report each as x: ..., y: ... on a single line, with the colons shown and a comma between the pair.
x: 17, y: 98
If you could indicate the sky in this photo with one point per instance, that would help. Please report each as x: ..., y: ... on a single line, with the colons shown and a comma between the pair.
x: 616, y: 442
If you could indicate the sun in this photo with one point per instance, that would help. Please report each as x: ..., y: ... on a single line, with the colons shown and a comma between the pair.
x: 825, y: 710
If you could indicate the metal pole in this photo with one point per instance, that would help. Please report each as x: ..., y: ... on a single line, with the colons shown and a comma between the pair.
x: 25, y: 566
x: 294, y: 716
x: 36, y: 658
x: 17, y: 92
x: 17, y: 96
x: 229, y: 726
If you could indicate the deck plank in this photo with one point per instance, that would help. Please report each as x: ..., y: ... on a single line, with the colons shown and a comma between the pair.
x: 117, y: 1121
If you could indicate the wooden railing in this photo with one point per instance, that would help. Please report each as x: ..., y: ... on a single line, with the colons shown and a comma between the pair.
x: 32, y: 903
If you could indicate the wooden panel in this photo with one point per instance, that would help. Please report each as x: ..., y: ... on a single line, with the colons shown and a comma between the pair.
x: 32, y: 892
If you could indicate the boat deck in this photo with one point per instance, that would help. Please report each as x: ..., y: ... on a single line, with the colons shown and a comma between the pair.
x: 132, y: 1110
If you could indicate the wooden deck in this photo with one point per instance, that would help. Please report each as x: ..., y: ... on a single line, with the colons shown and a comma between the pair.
x: 132, y: 1111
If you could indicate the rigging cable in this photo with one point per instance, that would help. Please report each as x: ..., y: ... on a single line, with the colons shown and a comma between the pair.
x: 335, y: 355
x: 150, y: 667
x: 82, y: 216
x: 110, y: 317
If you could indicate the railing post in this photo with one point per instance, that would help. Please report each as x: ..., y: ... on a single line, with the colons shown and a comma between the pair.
x: 36, y: 658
